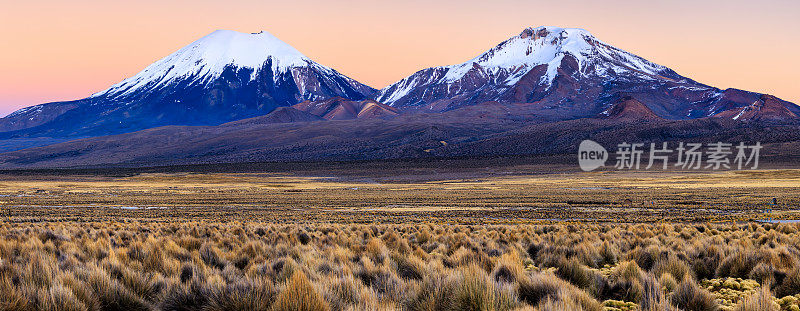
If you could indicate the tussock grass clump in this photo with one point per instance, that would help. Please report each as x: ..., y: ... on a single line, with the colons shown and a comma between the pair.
x: 299, y: 294
x: 509, y: 269
x: 112, y: 294
x: 675, y: 267
x: 545, y: 290
x: 348, y: 293
x: 435, y: 293
x: 185, y: 297
x: 652, y: 295
x: 242, y: 295
x: 690, y: 297
x: 409, y: 267
x: 475, y: 291
x: 211, y: 256
x: 59, y: 298
x: 761, y: 300
x: 790, y: 285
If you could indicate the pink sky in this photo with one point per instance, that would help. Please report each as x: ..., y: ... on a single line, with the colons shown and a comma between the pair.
x: 62, y: 50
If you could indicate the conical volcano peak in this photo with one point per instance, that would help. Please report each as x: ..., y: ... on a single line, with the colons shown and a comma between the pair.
x: 206, y: 58
x: 536, y: 56
x: 223, y: 76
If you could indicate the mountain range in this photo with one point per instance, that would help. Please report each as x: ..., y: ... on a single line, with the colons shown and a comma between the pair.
x: 236, y: 97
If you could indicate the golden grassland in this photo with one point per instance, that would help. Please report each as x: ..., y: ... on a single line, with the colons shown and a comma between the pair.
x: 204, y: 265
x: 573, y: 241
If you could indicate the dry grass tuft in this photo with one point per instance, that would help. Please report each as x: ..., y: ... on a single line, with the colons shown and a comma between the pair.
x: 299, y: 294
x: 690, y: 297
x: 761, y: 300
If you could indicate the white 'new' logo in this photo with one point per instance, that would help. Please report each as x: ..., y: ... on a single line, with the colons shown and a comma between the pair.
x: 591, y: 155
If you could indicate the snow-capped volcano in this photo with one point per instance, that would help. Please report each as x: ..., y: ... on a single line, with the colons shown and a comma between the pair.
x: 206, y: 59
x: 548, y: 46
x: 542, y: 63
x: 224, y: 76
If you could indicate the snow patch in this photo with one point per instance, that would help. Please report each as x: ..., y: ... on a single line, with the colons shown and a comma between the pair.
x: 21, y: 111
x: 740, y: 113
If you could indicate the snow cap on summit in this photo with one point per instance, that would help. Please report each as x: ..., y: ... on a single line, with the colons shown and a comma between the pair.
x: 547, y: 45
x: 207, y: 57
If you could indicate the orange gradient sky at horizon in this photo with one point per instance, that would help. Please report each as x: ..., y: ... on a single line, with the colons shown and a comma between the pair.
x: 65, y: 50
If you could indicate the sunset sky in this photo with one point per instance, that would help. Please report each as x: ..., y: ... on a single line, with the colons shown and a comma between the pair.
x: 62, y: 50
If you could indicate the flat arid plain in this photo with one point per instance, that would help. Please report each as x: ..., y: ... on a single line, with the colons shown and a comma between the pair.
x: 464, y: 198
x: 526, y: 237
